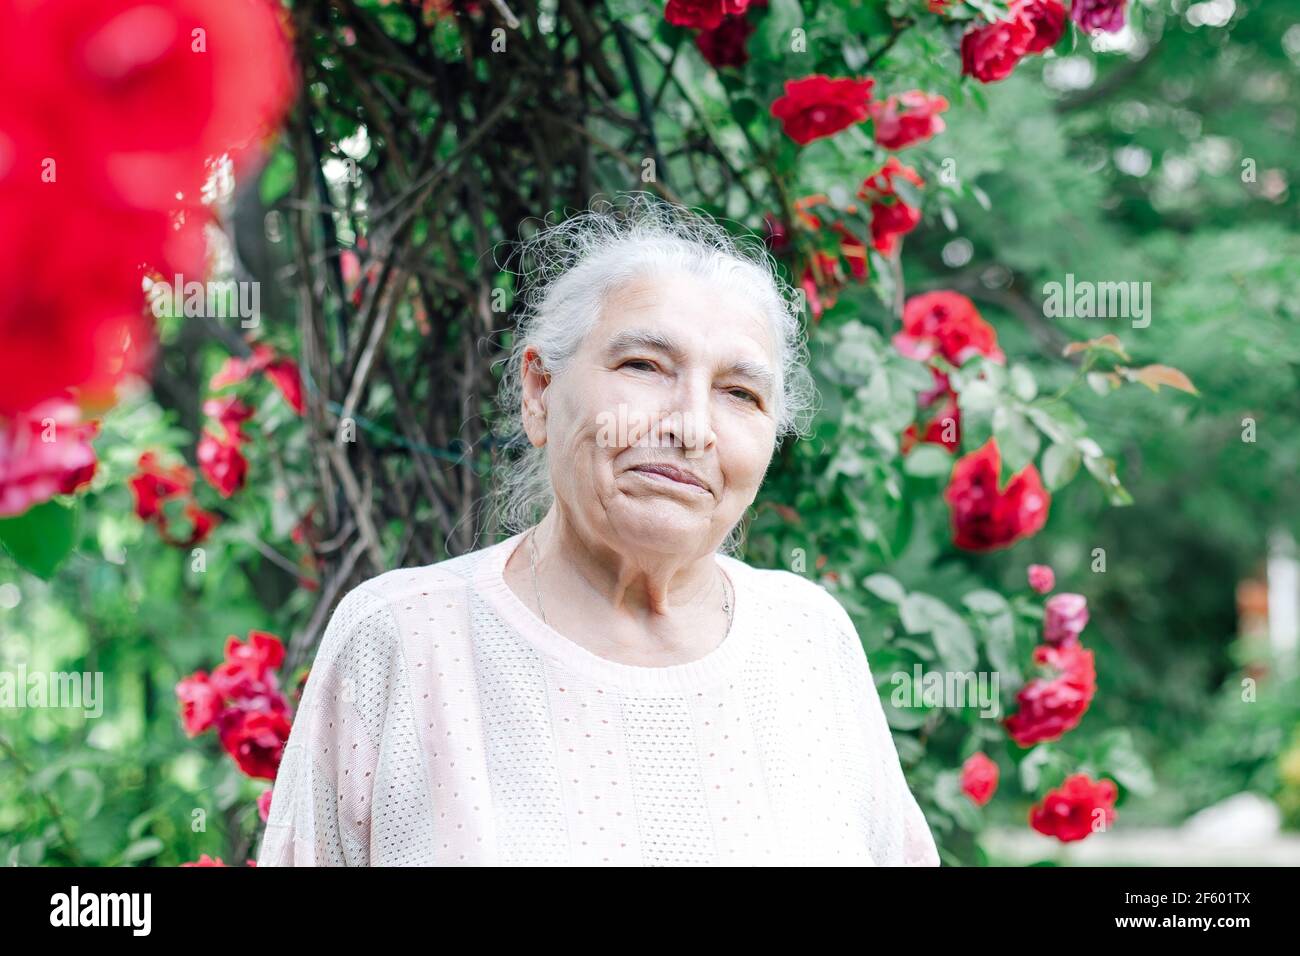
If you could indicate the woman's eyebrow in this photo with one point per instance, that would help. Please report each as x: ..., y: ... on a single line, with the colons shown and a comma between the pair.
x: 756, y: 372
x: 642, y: 339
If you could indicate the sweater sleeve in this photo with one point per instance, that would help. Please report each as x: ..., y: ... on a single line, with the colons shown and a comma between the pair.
x: 908, y: 840
x: 321, y: 800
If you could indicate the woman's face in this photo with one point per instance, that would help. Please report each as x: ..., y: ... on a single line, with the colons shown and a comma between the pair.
x: 674, y: 374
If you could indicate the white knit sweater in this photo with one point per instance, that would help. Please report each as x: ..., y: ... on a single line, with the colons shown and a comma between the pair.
x: 443, y: 723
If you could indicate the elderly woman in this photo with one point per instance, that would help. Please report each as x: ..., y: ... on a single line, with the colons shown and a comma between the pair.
x: 610, y: 684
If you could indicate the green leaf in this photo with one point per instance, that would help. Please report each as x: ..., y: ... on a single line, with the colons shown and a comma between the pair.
x: 928, y: 460
x: 142, y: 850
x: 1023, y: 384
x: 884, y: 587
x: 996, y: 624
x: 1120, y: 758
x: 1103, y: 469
x: 783, y: 16
x: 1016, y: 437
x: 278, y: 177
x: 922, y: 613
x: 40, y: 538
x: 1060, y: 463
x: 949, y: 796
x: 1058, y: 421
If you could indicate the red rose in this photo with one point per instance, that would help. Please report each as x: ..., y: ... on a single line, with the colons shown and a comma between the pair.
x: 44, y: 452
x: 947, y: 324
x: 264, y: 806
x: 255, y: 739
x: 1098, y: 16
x: 818, y: 106
x: 205, y: 860
x: 237, y: 368
x: 284, y: 375
x: 943, y: 426
x: 724, y: 45
x: 989, y: 53
x: 153, y: 484
x: 1065, y: 617
x: 84, y: 155
x: 1041, y: 578
x: 201, y: 525
x: 979, y: 778
x: 222, y: 463
x: 985, y: 517
x: 1046, y: 18
x: 907, y: 119
x: 1077, y: 808
x: 113, y: 67
x: 891, y: 217
x: 1049, y: 707
x: 231, y: 414
x: 263, y: 652
x: 702, y: 14
x: 200, y: 703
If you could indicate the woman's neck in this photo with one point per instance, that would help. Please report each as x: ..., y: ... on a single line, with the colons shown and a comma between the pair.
x: 626, y: 580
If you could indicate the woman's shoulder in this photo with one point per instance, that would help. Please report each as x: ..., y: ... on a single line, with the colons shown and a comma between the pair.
x: 792, y: 591
x: 452, y: 578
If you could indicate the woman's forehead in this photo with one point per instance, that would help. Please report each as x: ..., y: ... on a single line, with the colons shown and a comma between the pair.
x: 669, y: 312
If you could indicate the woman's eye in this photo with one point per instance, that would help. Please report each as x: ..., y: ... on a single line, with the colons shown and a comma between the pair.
x: 745, y: 395
x: 649, y: 366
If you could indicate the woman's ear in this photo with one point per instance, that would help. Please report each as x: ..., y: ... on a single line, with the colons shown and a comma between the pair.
x: 535, y: 381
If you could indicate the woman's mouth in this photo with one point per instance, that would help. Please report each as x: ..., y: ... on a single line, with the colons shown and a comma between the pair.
x: 671, y: 474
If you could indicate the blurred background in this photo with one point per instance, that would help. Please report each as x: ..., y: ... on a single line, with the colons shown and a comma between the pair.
x: 420, y: 137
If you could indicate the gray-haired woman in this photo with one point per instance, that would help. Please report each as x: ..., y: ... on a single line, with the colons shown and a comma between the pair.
x: 610, y: 684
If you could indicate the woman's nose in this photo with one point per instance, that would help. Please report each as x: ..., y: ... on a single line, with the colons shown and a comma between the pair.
x: 689, y: 421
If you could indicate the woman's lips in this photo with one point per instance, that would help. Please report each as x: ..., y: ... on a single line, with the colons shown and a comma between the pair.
x: 674, y: 475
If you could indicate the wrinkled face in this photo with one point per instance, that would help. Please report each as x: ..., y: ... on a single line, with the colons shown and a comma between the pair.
x: 660, y: 430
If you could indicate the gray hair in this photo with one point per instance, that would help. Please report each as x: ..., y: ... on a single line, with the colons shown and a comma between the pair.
x: 569, y: 268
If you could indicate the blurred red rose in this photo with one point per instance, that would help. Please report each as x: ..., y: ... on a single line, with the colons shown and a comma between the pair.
x: 891, y: 216
x: 1077, y: 808
x: 284, y: 375
x: 222, y: 464
x: 231, y: 414
x: 255, y: 739
x: 701, y: 14
x: 44, y: 452
x: 907, y: 119
x: 986, y: 517
x: 153, y: 484
x: 1041, y: 578
x: 1049, y: 707
x: 1046, y: 18
x: 948, y: 324
x: 817, y: 106
x: 724, y: 45
x: 200, y: 703
x: 990, y: 52
x: 979, y: 778
x: 1064, y: 618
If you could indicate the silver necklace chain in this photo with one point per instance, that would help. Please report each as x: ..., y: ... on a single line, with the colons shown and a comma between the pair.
x: 532, y: 547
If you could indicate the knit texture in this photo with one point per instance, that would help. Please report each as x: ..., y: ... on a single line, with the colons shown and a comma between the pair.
x: 444, y: 723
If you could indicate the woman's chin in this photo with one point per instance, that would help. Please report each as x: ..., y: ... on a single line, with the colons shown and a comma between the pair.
x: 667, y: 526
